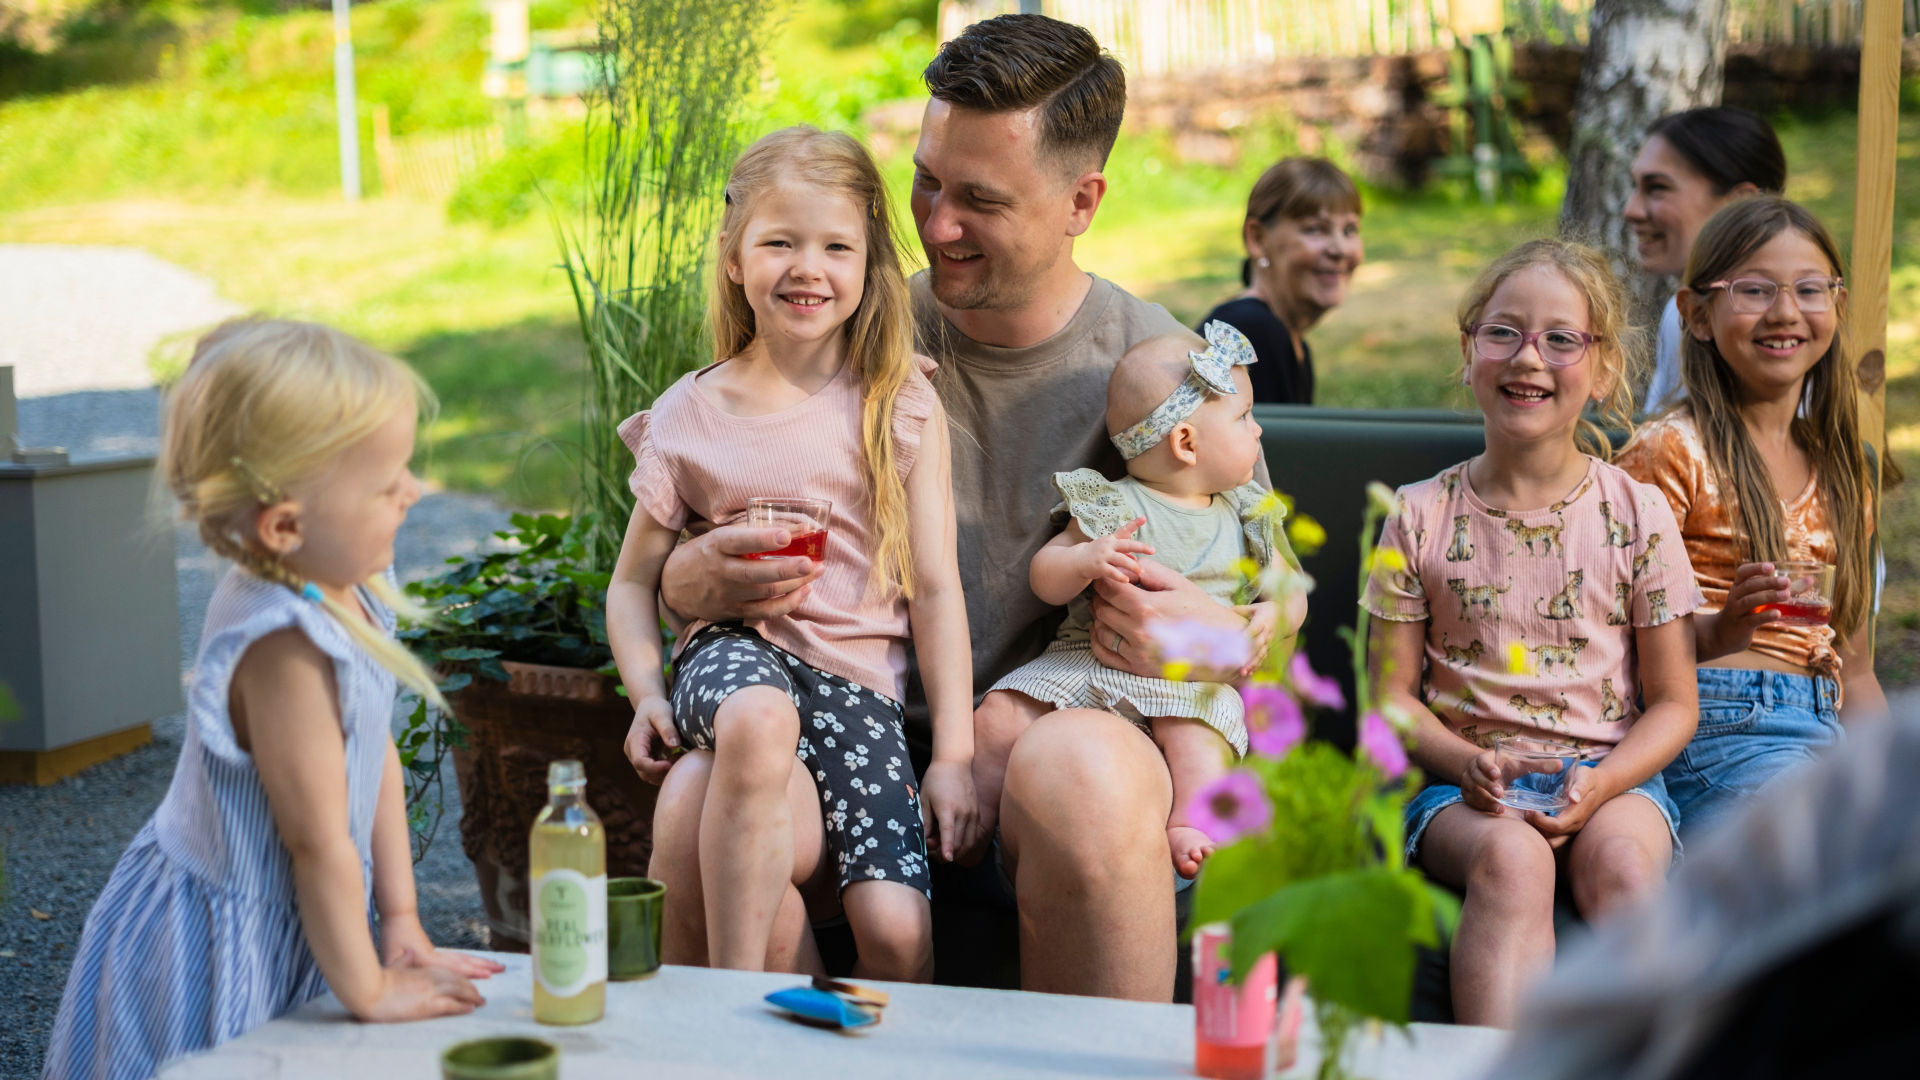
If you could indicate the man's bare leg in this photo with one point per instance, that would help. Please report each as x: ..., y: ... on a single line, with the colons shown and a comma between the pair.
x: 1083, y: 819
x: 997, y: 724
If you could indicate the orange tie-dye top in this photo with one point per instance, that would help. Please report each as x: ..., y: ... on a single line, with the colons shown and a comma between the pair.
x: 1668, y: 454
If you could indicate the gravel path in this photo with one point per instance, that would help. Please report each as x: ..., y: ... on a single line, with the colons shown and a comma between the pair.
x: 86, y: 318
x: 61, y: 842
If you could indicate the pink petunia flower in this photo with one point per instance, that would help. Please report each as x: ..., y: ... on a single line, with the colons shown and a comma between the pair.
x: 1274, y: 721
x: 1382, y: 744
x: 1313, y: 688
x: 1201, y: 644
x: 1229, y: 807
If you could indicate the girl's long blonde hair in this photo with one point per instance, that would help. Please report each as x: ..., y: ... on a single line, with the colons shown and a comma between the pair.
x: 1608, y: 319
x: 1827, y: 428
x: 880, y: 333
x: 266, y: 404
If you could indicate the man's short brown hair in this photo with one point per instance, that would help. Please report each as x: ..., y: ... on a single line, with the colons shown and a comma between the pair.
x: 1023, y: 61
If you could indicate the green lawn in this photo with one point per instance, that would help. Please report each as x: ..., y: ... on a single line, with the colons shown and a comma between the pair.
x: 224, y: 165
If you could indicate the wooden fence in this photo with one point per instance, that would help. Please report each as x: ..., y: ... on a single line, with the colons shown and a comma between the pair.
x: 1157, y: 37
x: 430, y: 165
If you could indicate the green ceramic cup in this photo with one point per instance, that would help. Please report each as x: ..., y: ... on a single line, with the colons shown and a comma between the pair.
x: 634, y: 905
x: 511, y: 1057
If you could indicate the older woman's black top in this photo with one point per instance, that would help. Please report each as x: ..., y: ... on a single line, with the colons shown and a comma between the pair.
x: 1278, y: 377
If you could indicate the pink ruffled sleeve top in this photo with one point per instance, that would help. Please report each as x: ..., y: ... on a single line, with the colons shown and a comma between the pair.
x: 696, y: 465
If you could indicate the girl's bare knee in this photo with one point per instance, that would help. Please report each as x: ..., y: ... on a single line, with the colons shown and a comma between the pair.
x: 1513, y: 871
x: 755, y: 734
x: 1618, y: 870
x: 892, y: 929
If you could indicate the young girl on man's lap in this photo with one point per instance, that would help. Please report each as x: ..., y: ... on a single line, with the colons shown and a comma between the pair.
x: 815, y: 391
x: 1181, y: 413
x: 1763, y: 462
x: 1544, y: 592
x: 248, y: 891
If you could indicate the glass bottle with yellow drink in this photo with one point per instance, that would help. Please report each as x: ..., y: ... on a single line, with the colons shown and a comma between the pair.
x: 567, y: 874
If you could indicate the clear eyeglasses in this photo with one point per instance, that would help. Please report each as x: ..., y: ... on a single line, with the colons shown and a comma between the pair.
x: 1755, y: 295
x: 1558, y: 347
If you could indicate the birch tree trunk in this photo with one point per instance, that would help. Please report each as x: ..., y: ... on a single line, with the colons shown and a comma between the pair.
x: 1645, y: 59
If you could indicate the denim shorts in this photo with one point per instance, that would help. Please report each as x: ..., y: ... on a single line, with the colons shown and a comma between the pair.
x: 1424, y: 807
x: 1754, y: 726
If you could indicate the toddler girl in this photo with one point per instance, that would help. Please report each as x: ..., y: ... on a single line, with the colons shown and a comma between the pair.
x: 247, y: 892
x: 1183, y: 419
x: 1763, y: 462
x: 1536, y: 590
x: 815, y: 391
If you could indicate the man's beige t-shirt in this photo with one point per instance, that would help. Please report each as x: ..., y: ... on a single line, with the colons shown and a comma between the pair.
x: 1017, y: 417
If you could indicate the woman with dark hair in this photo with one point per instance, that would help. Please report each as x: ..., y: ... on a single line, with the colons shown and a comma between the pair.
x: 1692, y: 164
x: 1302, y: 234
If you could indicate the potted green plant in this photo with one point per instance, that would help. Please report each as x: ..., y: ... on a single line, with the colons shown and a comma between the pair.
x: 519, y: 636
x: 521, y: 633
x: 1310, y: 863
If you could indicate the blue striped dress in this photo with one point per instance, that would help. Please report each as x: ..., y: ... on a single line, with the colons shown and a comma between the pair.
x: 196, y: 937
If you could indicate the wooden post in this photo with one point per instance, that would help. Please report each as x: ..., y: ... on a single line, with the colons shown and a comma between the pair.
x: 1867, y: 279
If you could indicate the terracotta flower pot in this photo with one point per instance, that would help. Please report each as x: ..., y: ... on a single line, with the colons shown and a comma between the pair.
x: 514, y: 730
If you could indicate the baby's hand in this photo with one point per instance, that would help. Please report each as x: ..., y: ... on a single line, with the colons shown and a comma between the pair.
x: 1481, y: 785
x: 1111, y: 558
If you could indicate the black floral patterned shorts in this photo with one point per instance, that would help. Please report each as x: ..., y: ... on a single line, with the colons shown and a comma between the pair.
x: 851, y: 739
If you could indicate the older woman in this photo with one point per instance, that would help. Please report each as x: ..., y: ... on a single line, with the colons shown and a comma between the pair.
x: 1302, y: 234
x: 1692, y: 164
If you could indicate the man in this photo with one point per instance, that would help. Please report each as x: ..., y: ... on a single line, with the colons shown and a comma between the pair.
x: 1024, y: 112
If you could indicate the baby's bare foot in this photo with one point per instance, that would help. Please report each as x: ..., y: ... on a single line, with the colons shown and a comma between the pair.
x: 1190, y: 848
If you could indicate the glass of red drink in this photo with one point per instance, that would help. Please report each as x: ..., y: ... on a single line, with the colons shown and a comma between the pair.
x: 1811, y: 586
x: 804, y: 519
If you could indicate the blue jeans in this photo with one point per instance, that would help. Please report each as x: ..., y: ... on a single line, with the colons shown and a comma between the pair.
x: 1754, y: 726
x: 1424, y: 807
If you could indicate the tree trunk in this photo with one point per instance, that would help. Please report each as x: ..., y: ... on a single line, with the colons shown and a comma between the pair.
x: 1645, y: 59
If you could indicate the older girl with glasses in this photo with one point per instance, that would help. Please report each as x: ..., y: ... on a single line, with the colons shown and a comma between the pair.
x: 1537, y: 590
x: 1763, y: 463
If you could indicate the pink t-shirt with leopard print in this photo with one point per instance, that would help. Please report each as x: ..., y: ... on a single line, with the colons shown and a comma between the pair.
x: 1530, y: 614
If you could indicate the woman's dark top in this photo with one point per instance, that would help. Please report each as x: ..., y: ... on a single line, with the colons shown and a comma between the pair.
x: 1278, y: 377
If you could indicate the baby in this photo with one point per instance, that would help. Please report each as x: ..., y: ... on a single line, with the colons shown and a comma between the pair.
x: 1181, y: 413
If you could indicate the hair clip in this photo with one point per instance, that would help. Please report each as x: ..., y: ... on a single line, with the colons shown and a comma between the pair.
x: 312, y: 592
x: 264, y: 490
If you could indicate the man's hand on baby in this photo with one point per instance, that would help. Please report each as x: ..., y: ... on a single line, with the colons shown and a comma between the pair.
x: 1112, y: 557
x: 652, y: 740
x: 949, y: 809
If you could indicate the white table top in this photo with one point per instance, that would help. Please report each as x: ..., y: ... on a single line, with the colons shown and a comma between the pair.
x: 692, y: 1022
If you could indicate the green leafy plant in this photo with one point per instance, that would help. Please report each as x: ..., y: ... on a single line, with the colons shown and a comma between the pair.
x: 531, y: 602
x: 1311, y: 862
x: 662, y: 130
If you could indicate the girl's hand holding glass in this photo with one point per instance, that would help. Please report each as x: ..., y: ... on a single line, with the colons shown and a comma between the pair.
x: 1481, y: 786
x: 1583, y: 798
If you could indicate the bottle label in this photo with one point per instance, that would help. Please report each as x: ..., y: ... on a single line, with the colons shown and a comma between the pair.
x: 569, y: 931
x: 1226, y: 1014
